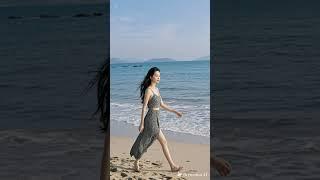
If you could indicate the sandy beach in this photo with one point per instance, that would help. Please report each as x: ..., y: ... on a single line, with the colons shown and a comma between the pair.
x: 75, y: 154
x: 193, y: 157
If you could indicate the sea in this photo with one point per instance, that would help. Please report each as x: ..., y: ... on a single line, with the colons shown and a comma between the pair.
x: 265, y: 87
x: 47, y: 58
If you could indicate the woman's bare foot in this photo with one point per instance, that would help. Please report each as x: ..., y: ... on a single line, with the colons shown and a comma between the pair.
x: 136, y: 166
x: 176, y: 168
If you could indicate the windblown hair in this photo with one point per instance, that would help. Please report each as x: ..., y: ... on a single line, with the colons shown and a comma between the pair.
x: 146, y: 82
x: 102, y: 79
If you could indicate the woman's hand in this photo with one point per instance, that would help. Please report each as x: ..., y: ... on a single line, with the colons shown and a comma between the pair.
x: 141, y: 127
x: 179, y: 114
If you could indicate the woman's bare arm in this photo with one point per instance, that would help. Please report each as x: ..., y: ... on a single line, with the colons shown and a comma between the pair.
x: 166, y: 107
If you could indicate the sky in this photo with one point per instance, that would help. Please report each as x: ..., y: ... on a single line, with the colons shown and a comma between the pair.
x: 145, y: 29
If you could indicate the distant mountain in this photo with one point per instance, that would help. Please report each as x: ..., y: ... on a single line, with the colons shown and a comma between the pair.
x: 117, y: 61
x: 160, y: 60
x: 203, y: 58
x: 135, y: 60
x: 125, y: 60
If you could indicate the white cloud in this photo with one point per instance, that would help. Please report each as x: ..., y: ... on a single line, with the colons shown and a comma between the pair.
x: 160, y: 40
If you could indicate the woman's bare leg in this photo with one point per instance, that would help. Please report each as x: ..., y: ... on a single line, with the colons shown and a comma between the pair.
x: 136, y: 165
x: 165, y: 149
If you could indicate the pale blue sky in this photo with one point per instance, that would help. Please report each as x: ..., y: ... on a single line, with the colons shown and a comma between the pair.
x: 146, y: 29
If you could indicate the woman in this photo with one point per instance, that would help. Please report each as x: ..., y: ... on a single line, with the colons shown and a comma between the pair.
x: 103, y: 97
x: 149, y: 126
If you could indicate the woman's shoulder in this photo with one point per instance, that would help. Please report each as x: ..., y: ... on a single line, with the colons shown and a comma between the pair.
x: 148, y: 90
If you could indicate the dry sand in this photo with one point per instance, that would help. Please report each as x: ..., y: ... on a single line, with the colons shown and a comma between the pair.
x: 193, y: 157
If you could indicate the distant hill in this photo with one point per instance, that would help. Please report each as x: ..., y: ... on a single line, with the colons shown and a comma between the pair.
x: 117, y: 61
x: 125, y: 60
x: 203, y: 58
x: 160, y: 60
x: 135, y: 60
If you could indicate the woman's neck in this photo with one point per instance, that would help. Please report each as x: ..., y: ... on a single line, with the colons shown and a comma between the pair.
x: 153, y: 86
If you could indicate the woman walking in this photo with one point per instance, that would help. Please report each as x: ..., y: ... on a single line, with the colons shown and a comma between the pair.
x: 149, y: 126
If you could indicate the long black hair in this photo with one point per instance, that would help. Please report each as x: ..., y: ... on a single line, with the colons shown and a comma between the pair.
x: 102, y: 79
x: 145, y: 83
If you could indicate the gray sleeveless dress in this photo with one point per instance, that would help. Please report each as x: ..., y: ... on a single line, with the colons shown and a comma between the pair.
x: 151, y: 128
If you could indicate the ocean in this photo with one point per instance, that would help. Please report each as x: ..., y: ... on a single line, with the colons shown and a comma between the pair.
x: 184, y: 86
x: 46, y: 63
x: 45, y: 117
x: 265, y: 87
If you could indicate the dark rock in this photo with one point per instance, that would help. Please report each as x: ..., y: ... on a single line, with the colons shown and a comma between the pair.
x: 82, y: 15
x: 124, y: 174
x: 113, y: 169
x: 97, y: 14
x: 47, y: 16
x: 15, y: 17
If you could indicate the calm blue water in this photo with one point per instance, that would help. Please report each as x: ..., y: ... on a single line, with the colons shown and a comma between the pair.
x: 184, y: 86
x: 44, y: 65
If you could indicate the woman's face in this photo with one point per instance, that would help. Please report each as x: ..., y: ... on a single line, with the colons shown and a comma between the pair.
x: 156, y: 77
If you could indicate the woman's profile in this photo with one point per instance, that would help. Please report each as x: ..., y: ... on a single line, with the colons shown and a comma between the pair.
x: 149, y: 129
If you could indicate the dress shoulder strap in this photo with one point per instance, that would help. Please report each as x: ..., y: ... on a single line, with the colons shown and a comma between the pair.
x: 151, y: 90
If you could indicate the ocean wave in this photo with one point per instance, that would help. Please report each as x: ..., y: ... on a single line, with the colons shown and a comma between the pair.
x: 195, y: 119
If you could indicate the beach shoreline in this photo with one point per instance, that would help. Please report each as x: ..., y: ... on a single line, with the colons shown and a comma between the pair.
x: 190, y: 151
x: 123, y: 129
